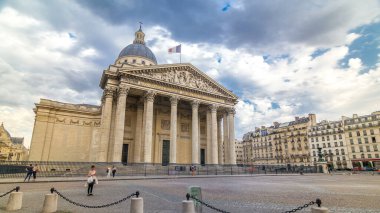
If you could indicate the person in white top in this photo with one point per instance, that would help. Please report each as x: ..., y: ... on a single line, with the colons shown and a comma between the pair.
x: 108, y: 172
x: 91, y: 180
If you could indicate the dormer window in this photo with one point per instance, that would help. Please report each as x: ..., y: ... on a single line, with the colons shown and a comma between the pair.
x: 134, y: 61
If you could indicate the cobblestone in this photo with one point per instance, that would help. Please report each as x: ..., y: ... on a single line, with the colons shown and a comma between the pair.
x: 356, y: 193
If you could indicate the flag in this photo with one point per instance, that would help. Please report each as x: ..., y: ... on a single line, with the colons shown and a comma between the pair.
x: 176, y: 49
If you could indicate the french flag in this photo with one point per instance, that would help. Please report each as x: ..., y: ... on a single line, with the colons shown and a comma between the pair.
x: 176, y: 49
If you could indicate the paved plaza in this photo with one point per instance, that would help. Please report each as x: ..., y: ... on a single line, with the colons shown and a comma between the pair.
x: 340, y: 193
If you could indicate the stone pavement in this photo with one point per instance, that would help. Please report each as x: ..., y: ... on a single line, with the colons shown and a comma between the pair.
x: 340, y: 193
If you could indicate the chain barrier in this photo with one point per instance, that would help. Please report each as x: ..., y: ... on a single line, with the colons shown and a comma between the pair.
x: 318, y: 202
x: 188, y: 196
x: 137, y: 193
x: 15, y: 189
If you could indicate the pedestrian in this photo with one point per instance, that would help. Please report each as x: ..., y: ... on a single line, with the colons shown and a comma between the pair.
x: 113, y: 171
x: 192, y: 169
x: 108, y: 172
x: 29, y: 172
x: 91, y: 180
x: 35, y: 170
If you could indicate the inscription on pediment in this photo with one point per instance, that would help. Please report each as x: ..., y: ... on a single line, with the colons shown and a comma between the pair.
x: 183, y: 78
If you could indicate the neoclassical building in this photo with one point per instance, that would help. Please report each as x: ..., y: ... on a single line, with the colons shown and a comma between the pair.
x: 150, y: 113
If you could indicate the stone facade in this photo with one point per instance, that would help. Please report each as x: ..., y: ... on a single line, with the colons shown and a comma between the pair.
x: 11, y: 148
x: 280, y: 144
x: 350, y: 143
x: 331, y: 138
x: 362, y: 135
x: 150, y: 113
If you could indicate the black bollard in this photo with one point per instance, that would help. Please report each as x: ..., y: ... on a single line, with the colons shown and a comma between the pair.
x: 52, y: 190
x: 17, y: 188
x: 188, y: 196
x: 137, y: 194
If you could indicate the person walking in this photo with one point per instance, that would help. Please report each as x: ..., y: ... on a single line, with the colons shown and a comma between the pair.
x: 35, y: 170
x: 91, y: 180
x: 108, y: 172
x: 29, y: 172
x: 113, y: 171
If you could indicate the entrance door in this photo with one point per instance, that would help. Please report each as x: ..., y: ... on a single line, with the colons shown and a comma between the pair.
x: 165, y: 152
x: 124, y: 154
x: 202, y: 156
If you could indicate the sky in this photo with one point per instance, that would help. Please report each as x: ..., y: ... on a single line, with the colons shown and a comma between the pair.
x: 282, y: 58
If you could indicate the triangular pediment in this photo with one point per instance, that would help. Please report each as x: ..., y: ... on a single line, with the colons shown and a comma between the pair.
x: 183, y: 75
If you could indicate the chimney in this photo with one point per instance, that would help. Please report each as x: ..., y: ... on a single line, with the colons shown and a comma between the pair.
x: 312, y: 119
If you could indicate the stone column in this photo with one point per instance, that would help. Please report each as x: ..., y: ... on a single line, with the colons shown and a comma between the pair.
x: 225, y: 138
x: 208, y: 136
x: 220, y: 141
x: 231, y: 119
x: 173, y: 130
x: 214, y: 135
x: 120, y: 123
x: 138, y: 136
x: 106, y: 124
x: 195, y: 133
x: 149, y: 97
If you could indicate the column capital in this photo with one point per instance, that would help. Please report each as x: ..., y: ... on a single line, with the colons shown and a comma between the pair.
x: 109, y: 91
x: 174, y: 100
x: 213, y: 107
x: 231, y: 111
x: 149, y: 95
x: 123, y: 89
x: 195, y: 104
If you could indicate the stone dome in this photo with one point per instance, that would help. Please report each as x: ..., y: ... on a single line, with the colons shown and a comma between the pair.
x: 138, y: 49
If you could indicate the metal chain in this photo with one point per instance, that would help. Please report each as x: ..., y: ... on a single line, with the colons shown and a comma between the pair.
x: 208, y: 205
x: 95, y: 207
x: 15, y: 189
x: 301, y: 207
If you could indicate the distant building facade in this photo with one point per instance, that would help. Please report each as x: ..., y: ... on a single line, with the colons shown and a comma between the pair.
x: 363, y: 139
x: 239, y: 150
x: 330, y: 136
x: 345, y: 144
x: 12, y: 148
x: 281, y: 144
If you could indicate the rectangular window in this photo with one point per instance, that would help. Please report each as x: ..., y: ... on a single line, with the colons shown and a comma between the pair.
x: 357, y: 133
x: 329, y: 145
x: 377, y: 155
x: 361, y: 148
x: 353, y: 149
x: 366, y: 140
x: 334, y: 137
x: 364, y: 133
x: 354, y: 156
x: 336, y: 144
x: 313, y: 146
x: 375, y: 148
x: 350, y: 134
x: 372, y: 132
x: 341, y: 143
x: 359, y: 141
x: 369, y: 156
x: 323, y: 138
x: 340, y: 136
x: 368, y: 149
x: 352, y: 141
x: 316, y: 139
x: 373, y: 140
x: 328, y: 138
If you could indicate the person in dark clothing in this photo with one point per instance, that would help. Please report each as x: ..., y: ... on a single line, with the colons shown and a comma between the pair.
x: 29, y: 172
x: 113, y: 171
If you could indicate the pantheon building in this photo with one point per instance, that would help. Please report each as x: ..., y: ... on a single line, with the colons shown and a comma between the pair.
x: 149, y: 113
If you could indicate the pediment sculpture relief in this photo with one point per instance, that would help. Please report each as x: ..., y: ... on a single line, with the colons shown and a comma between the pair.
x: 184, y: 78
